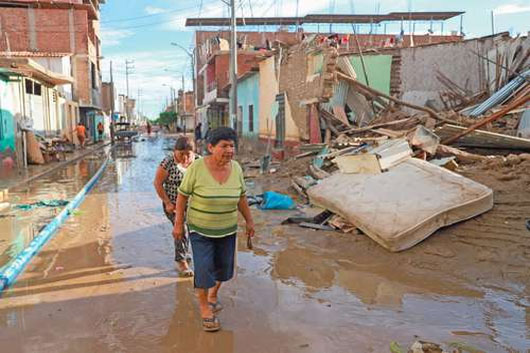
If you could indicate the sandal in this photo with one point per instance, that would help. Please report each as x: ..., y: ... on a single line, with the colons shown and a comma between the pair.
x: 216, y: 307
x: 186, y: 273
x: 211, y: 324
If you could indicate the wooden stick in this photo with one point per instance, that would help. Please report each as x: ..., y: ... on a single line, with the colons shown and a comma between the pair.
x: 429, y: 111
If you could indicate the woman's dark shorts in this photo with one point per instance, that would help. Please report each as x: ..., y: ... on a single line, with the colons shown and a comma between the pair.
x: 213, y: 259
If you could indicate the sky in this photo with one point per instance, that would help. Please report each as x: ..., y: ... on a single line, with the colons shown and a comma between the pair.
x: 143, y: 30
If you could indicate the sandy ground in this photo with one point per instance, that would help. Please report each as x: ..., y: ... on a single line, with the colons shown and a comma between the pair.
x: 106, y: 282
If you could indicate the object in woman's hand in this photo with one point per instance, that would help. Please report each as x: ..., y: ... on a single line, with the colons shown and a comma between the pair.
x: 249, y: 243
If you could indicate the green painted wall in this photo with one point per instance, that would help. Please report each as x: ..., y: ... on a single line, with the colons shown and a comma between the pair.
x: 378, y: 69
x: 7, y: 120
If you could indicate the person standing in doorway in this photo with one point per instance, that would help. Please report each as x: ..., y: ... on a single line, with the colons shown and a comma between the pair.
x: 168, y: 177
x: 101, y: 129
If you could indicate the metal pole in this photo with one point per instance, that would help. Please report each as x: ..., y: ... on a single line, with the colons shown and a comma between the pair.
x: 112, y: 107
x: 492, y: 22
x: 233, y: 65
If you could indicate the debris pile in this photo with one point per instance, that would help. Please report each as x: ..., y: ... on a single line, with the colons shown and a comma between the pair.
x: 392, y: 176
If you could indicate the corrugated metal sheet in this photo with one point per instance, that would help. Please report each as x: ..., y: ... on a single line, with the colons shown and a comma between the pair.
x: 502, y: 95
x: 340, y: 93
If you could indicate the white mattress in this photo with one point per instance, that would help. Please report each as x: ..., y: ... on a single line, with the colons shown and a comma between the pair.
x: 405, y: 205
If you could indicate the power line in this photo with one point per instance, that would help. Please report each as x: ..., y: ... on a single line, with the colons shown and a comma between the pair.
x: 156, y: 14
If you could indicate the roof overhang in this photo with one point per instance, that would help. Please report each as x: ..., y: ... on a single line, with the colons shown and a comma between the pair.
x: 29, y: 68
x: 325, y: 18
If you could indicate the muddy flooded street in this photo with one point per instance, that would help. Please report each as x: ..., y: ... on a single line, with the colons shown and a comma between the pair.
x: 107, y: 282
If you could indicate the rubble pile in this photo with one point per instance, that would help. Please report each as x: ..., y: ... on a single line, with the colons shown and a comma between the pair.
x: 371, y: 160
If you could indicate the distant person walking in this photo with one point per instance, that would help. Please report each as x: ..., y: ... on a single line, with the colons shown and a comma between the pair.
x: 80, y: 130
x: 215, y: 190
x: 148, y: 127
x: 168, y: 177
x: 198, y: 137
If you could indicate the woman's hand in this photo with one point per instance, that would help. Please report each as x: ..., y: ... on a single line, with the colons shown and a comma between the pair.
x: 170, y: 207
x: 178, y: 231
x: 250, y: 231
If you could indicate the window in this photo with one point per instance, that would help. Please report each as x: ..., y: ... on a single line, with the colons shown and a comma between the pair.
x: 315, y: 63
x: 37, y: 89
x: 251, y: 118
x: 33, y: 87
x: 29, y: 86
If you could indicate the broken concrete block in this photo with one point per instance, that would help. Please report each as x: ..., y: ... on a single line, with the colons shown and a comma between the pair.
x: 424, y: 139
x: 392, y: 152
x: 359, y: 164
x: 405, y: 205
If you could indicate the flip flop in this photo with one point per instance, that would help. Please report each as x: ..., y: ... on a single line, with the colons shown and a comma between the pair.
x: 216, y: 307
x: 211, y: 324
x: 186, y: 273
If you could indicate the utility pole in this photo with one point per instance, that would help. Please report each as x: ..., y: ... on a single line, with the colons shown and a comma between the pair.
x: 128, y: 71
x: 138, y: 105
x: 233, y: 67
x: 112, y: 107
x: 492, y: 22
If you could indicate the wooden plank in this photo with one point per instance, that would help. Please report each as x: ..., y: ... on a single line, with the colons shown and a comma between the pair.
x: 484, y: 139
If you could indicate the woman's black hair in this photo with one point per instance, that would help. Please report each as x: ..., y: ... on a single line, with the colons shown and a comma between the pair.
x: 183, y: 144
x: 222, y: 133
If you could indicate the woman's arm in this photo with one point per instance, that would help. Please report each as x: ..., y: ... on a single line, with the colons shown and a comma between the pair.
x: 160, y: 177
x: 245, y: 211
x: 180, y: 209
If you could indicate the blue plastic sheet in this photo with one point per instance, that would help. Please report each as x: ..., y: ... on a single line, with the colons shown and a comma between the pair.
x: 276, y: 201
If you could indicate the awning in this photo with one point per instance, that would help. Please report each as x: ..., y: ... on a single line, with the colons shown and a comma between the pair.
x: 29, y: 68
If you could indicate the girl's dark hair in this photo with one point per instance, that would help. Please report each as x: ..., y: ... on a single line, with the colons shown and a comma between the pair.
x: 222, y: 133
x: 183, y: 143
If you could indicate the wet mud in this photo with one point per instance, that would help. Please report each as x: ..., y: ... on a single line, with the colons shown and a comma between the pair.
x: 106, y: 283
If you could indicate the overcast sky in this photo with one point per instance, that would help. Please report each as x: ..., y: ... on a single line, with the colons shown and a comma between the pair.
x: 142, y: 30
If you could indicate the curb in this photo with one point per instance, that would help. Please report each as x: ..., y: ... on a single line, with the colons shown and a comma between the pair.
x: 57, y: 166
x: 8, y: 277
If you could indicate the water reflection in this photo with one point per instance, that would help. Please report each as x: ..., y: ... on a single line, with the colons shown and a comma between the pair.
x: 19, y: 227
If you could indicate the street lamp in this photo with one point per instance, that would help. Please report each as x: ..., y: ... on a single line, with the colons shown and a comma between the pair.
x: 191, y: 54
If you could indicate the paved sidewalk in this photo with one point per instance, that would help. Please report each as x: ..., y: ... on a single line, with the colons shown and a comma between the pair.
x: 32, y: 172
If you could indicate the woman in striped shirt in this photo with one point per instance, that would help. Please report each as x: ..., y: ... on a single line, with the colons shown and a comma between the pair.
x: 213, y: 191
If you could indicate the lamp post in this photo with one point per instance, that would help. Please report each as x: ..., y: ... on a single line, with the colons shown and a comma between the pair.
x: 191, y: 54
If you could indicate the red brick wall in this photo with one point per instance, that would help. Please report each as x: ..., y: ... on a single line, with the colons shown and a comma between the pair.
x: 245, y: 63
x: 51, y: 30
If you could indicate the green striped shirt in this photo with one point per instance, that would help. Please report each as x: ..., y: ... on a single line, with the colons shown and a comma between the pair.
x: 212, y: 207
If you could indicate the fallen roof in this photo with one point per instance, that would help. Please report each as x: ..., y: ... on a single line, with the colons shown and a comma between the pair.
x: 29, y: 68
x: 324, y: 18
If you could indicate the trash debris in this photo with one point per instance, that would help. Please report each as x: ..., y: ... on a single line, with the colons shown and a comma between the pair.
x: 425, y: 347
x: 41, y: 204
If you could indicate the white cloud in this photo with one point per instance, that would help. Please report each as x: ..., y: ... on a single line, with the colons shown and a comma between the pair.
x: 511, y: 8
x: 152, y: 70
x: 113, y: 37
x: 151, y: 10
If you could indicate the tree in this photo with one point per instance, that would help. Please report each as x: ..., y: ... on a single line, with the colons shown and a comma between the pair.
x: 167, y: 118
